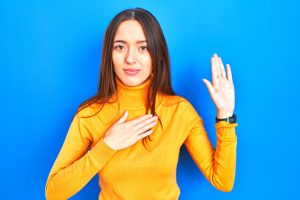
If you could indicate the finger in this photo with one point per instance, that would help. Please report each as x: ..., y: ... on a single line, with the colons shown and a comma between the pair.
x: 210, y: 88
x: 139, y: 119
x: 217, y: 65
x: 141, y: 136
x: 146, y: 127
x: 145, y: 123
x: 123, y: 118
x: 223, y: 73
x: 229, y: 73
x: 214, y: 72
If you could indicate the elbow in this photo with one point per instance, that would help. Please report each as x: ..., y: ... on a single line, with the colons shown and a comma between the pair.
x: 49, y: 188
x: 56, y: 192
x: 50, y: 193
x: 225, y: 188
x: 47, y: 193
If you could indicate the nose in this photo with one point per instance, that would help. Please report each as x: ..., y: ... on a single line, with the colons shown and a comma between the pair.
x: 130, y: 57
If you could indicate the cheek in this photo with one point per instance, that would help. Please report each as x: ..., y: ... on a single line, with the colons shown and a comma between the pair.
x: 147, y: 63
x: 117, y: 61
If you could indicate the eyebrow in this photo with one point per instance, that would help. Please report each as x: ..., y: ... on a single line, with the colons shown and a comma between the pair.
x: 138, y: 42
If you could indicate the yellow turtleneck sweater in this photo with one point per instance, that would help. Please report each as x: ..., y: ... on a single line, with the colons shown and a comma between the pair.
x: 134, y: 173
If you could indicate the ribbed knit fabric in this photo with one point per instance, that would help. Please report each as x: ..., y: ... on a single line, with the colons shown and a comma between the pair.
x: 137, y: 173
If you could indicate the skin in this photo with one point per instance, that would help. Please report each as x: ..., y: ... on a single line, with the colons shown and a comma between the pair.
x: 221, y: 89
x: 130, y: 51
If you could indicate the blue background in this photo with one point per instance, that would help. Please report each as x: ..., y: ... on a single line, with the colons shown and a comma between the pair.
x: 50, y: 56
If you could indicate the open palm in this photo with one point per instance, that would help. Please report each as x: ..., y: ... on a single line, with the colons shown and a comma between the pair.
x: 221, y: 89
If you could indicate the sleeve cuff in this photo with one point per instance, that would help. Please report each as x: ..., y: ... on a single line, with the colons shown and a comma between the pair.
x: 226, y: 129
x: 222, y: 124
x: 101, y: 153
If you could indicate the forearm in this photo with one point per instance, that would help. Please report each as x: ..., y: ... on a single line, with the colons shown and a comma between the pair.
x: 64, y: 182
x: 224, y: 163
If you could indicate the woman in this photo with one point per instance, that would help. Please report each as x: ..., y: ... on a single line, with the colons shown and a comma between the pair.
x: 131, y: 131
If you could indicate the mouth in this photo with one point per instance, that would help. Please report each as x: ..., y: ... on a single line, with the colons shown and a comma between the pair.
x: 131, y: 71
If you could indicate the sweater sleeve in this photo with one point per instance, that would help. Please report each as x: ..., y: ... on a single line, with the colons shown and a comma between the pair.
x: 75, y: 165
x: 217, y: 165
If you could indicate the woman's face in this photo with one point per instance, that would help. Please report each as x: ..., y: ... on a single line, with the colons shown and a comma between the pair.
x: 130, y: 55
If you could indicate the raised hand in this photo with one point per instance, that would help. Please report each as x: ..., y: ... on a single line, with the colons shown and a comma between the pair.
x: 221, y: 90
x: 123, y: 134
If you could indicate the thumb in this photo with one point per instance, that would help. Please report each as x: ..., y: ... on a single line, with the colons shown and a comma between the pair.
x: 209, y: 87
x: 123, y: 118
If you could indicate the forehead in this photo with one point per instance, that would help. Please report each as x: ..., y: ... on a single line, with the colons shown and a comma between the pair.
x: 130, y: 30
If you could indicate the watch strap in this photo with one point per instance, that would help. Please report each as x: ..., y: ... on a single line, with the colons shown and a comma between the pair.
x: 231, y: 119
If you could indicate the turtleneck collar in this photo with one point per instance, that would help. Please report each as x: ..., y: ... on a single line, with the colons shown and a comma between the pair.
x: 132, y: 96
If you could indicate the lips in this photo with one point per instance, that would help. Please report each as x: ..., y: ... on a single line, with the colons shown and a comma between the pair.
x: 131, y: 71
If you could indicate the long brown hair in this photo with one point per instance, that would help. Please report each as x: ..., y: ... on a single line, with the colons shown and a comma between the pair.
x: 157, y: 46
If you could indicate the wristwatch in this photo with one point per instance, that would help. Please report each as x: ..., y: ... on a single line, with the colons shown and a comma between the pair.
x: 231, y: 119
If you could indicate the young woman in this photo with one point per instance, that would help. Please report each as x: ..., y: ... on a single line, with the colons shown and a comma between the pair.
x: 131, y: 131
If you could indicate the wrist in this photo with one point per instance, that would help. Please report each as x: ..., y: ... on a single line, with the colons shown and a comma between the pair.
x: 107, y: 143
x: 222, y: 115
x: 231, y: 119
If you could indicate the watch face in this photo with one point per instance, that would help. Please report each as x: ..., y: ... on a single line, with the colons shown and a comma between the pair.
x: 232, y: 119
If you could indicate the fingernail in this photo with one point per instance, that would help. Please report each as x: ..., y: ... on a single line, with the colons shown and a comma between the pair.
x: 215, y: 55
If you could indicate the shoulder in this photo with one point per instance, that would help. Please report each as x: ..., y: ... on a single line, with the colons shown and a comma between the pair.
x: 183, y: 106
x: 180, y: 109
x: 174, y: 100
x: 99, y: 113
x: 87, y: 110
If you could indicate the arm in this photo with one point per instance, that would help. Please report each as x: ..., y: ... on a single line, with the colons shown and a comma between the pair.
x: 75, y: 165
x: 217, y: 165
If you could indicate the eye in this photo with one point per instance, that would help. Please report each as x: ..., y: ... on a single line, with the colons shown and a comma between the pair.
x: 143, y: 48
x: 119, y: 47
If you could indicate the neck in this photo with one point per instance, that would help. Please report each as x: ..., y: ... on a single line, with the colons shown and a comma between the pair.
x: 132, y: 96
